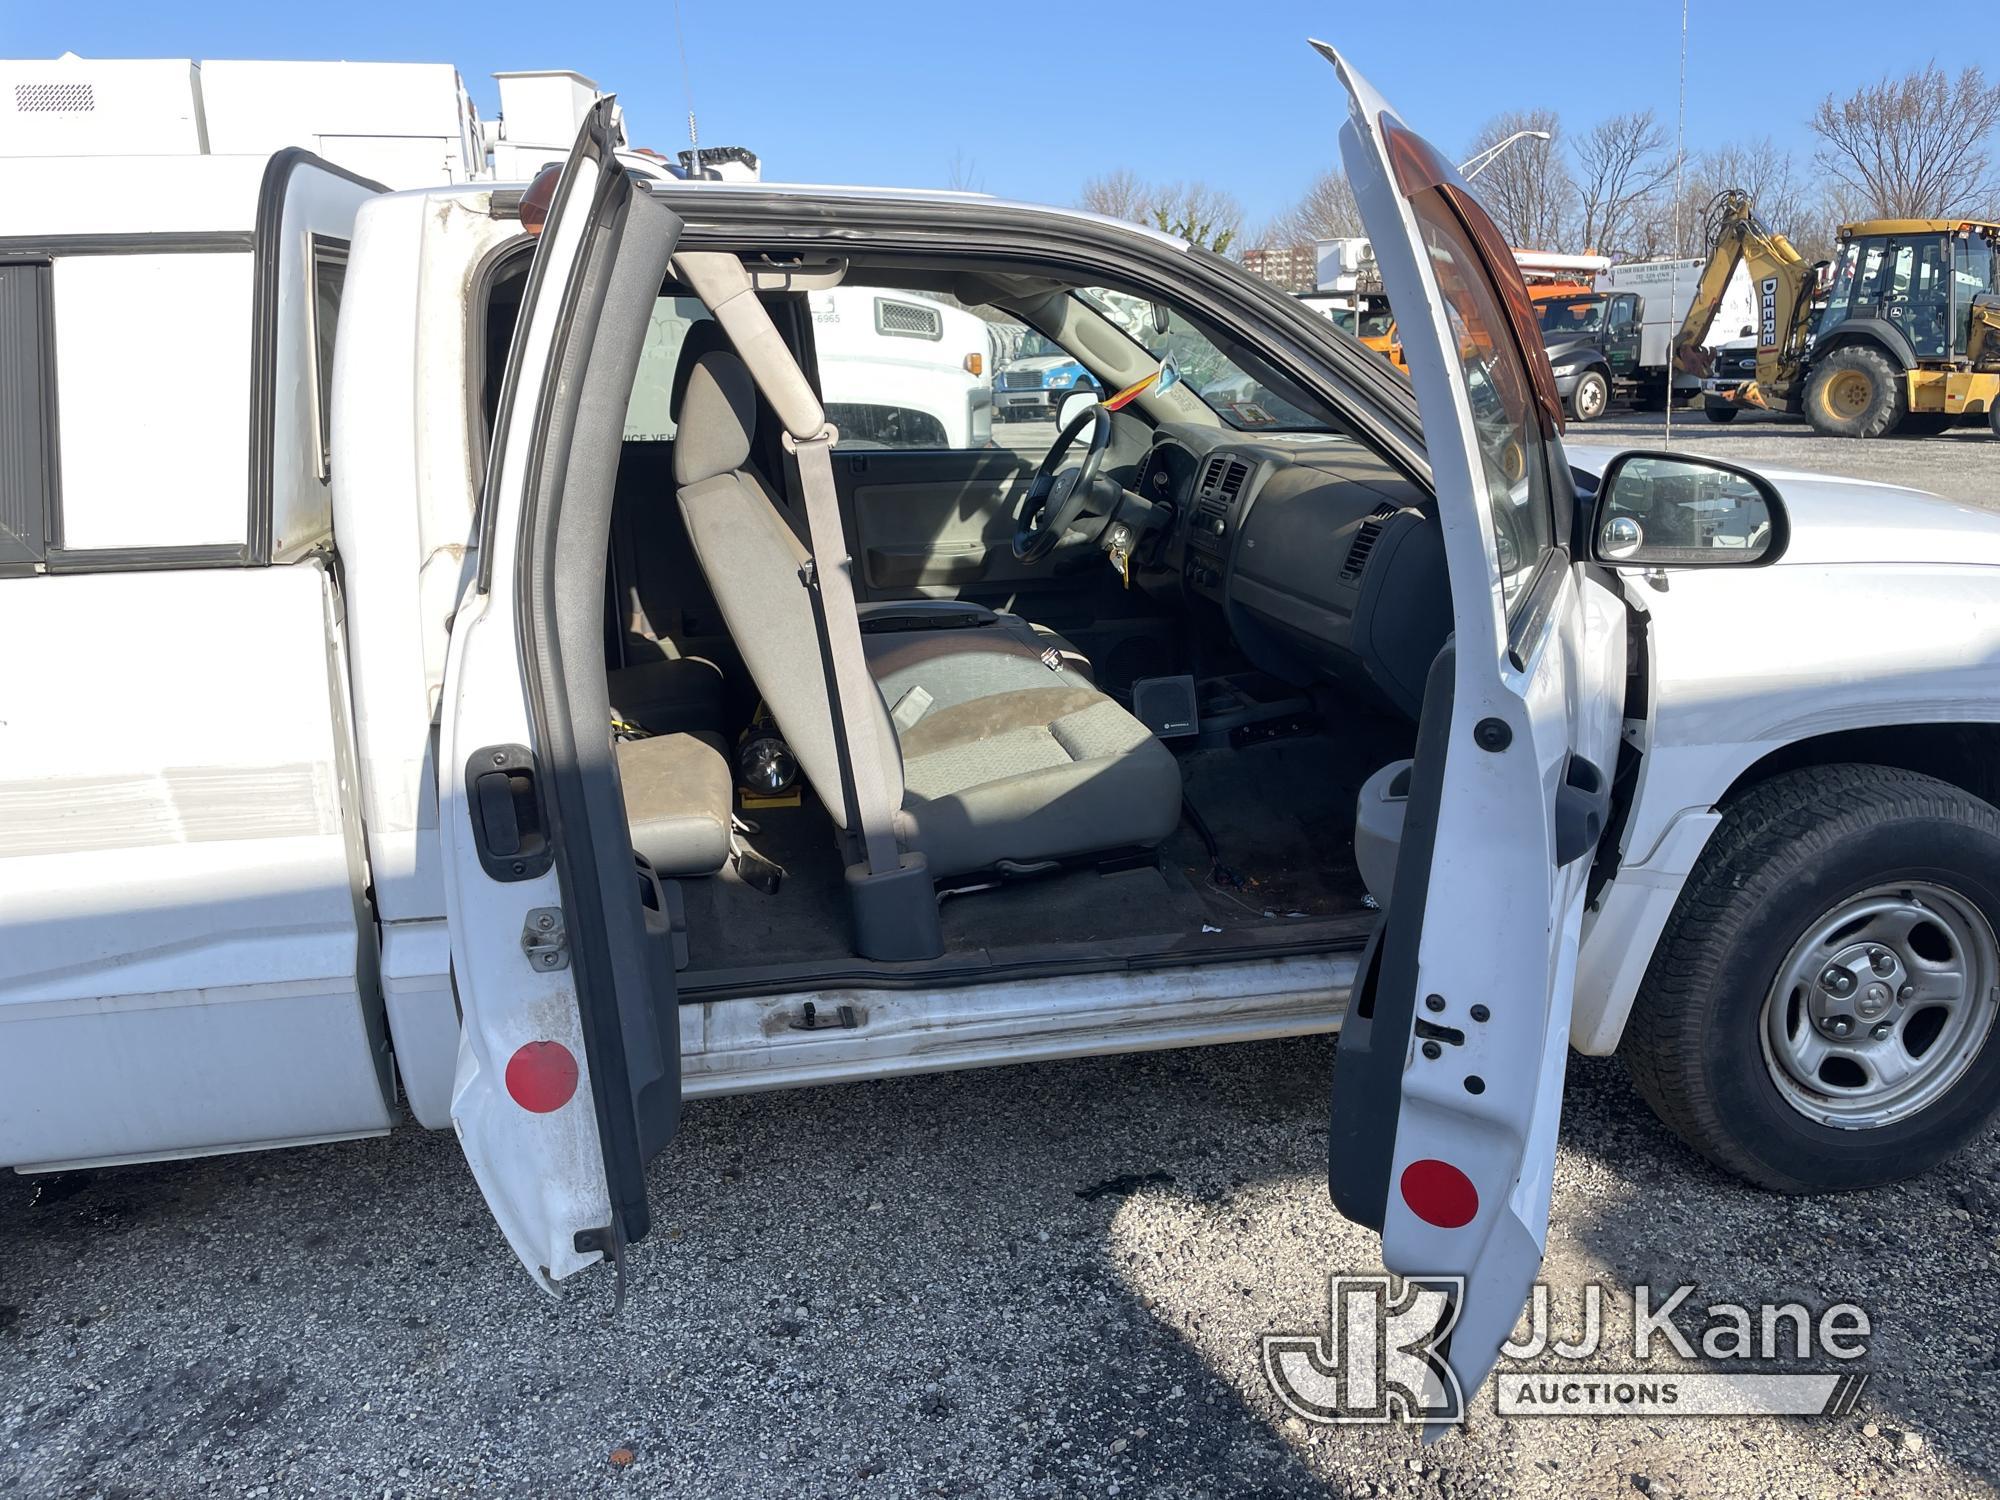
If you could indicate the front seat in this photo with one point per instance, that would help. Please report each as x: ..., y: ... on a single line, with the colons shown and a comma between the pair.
x: 1005, y: 753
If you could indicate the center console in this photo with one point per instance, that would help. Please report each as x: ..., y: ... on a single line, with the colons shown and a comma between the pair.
x: 1218, y: 493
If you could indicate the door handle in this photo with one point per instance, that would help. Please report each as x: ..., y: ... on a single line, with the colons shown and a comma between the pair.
x: 510, y: 827
x: 1583, y: 802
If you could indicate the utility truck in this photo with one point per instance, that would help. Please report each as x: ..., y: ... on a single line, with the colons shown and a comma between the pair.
x: 383, y: 663
x: 1616, y: 339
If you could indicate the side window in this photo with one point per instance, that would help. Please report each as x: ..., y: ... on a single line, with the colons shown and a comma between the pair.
x: 1624, y: 311
x: 649, y: 415
x: 1972, y: 275
x: 901, y: 369
x: 27, y: 414
x: 1499, y: 386
x: 328, y: 262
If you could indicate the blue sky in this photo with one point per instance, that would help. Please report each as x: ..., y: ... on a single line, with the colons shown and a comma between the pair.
x: 1037, y: 98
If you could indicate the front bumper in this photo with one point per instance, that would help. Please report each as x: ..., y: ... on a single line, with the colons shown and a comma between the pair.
x: 1030, y: 403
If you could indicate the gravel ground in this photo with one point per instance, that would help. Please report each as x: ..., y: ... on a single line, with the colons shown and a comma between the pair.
x: 1031, y: 1281
x: 1963, y: 463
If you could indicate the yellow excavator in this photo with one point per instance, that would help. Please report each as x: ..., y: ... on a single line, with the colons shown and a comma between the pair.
x: 1899, y: 332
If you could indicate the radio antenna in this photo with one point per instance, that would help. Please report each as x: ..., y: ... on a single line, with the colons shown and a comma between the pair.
x: 1680, y: 208
x: 687, y: 88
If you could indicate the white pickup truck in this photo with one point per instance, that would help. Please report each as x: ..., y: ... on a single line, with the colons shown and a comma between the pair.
x: 386, y: 602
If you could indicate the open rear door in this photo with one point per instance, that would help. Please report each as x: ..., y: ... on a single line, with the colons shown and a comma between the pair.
x: 569, y: 1068
x: 1449, y: 1079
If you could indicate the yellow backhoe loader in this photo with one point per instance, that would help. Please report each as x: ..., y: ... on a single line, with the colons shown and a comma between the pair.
x: 1906, y: 336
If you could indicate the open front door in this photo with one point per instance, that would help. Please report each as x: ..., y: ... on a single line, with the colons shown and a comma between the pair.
x: 568, y: 1068
x: 1449, y: 1080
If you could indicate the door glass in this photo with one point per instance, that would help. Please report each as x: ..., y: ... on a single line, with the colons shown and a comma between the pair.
x: 1912, y: 293
x: 1847, y: 260
x: 1505, y: 422
x: 1972, y: 276
x: 903, y: 369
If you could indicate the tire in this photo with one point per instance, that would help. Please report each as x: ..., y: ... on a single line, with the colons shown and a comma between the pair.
x: 1723, y: 413
x: 1591, y: 396
x: 1993, y: 419
x: 1801, y: 850
x: 1855, y: 392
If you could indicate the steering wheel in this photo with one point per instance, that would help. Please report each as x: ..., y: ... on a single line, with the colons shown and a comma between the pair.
x: 1055, y: 500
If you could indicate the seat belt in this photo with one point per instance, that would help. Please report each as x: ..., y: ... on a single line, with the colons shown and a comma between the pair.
x: 829, y: 574
x: 725, y: 288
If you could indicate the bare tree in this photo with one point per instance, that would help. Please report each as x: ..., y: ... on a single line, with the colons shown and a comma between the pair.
x: 1527, y: 188
x: 1198, y: 212
x: 962, y: 174
x: 1621, y: 165
x: 1784, y: 199
x: 1919, y: 146
x: 1327, y: 211
x: 1116, y: 195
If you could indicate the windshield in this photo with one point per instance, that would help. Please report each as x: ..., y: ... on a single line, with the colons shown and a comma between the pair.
x: 1566, y: 317
x: 1034, y: 346
x: 1241, y: 397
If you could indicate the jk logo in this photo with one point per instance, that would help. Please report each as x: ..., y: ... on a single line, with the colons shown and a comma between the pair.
x: 1380, y: 1358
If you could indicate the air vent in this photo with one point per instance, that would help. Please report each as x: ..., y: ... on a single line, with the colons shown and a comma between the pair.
x: 908, y: 320
x: 1364, y: 541
x: 1222, y: 480
x: 55, y: 98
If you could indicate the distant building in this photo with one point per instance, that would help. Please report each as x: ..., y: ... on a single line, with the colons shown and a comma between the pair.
x: 1291, y: 268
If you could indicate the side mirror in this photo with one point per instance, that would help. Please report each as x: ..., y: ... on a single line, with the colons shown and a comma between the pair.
x: 1674, y: 510
x: 1162, y: 319
x: 1074, y: 405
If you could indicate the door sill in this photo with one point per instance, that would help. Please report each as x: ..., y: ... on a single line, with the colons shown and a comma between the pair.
x: 752, y: 1044
x: 1283, y: 939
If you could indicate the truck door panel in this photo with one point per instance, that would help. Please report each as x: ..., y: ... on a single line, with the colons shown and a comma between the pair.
x: 185, y: 966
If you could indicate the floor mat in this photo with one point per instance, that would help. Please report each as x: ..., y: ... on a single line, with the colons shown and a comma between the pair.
x: 1281, y: 813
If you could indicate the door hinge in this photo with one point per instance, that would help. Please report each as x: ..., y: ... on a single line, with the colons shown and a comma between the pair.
x: 545, y: 940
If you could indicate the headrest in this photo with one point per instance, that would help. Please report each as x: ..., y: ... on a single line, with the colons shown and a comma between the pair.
x: 715, y: 415
x: 704, y: 336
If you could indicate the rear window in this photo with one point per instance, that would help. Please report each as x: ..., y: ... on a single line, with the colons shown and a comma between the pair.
x: 649, y: 416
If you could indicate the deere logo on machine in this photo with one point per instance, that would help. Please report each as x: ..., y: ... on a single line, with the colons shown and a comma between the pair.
x: 1767, y: 313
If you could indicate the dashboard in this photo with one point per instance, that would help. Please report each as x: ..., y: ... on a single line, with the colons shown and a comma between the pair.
x: 1320, y: 558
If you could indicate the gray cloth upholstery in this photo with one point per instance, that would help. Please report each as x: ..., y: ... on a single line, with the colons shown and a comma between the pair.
x: 1001, y: 757
x: 751, y: 558
x: 668, y: 694
x: 714, y: 419
x: 678, y: 798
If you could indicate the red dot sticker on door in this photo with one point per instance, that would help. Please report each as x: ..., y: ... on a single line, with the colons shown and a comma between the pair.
x: 541, y: 1076
x: 1440, y: 1194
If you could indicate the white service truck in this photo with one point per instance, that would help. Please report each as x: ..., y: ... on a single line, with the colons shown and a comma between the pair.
x: 376, y: 653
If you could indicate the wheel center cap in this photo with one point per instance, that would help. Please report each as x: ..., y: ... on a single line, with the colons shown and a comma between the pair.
x: 1858, y: 986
